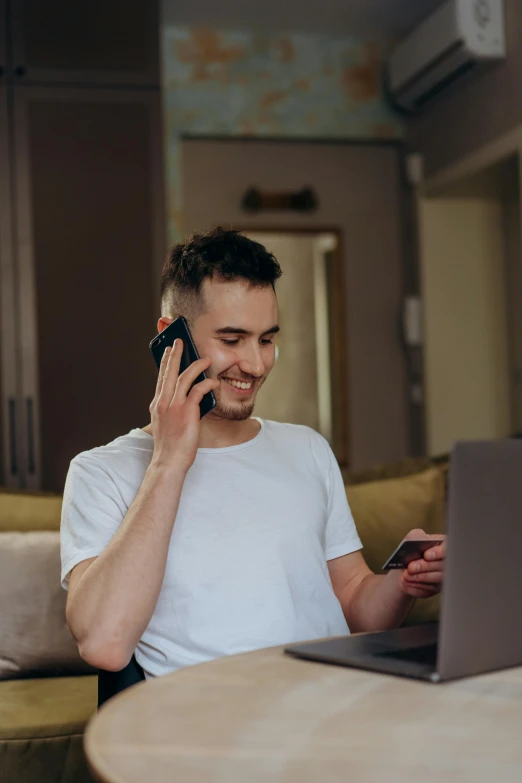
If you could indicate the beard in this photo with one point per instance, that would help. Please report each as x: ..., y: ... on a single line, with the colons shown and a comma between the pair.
x: 238, y: 412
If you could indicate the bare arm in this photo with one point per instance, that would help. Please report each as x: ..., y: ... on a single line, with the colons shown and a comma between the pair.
x: 369, y: 602
x: 372, y: 602
x: 112, y: 597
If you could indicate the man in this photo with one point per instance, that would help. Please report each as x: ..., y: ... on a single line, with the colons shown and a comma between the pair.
x: 187, y: 540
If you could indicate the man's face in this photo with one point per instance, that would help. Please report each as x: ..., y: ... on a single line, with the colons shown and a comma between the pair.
x: 237, y: 332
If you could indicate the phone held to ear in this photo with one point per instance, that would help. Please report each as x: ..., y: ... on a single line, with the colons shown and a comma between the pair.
x: 408, y: 550
x: 179, y: 329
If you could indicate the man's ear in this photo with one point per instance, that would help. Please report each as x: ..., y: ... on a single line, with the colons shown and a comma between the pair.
x: 163, y: 322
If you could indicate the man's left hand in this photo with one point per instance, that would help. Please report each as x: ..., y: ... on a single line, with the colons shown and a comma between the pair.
x: 423, y: 578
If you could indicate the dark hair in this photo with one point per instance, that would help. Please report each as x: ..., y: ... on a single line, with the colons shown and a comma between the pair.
x: 219, y: 254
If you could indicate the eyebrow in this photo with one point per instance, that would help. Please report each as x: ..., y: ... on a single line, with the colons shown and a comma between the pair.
x: 238, y: 330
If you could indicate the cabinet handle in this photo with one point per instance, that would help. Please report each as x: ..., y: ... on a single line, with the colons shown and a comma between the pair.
x: 31, y: 467
x: 12, y: 436
x: 1, y: 71
x: 20, y: 70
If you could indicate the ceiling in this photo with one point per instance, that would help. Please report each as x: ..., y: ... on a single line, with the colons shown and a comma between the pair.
x: 377, y: 19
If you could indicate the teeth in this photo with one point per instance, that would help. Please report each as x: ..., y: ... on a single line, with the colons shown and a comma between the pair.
x: 238, y: 384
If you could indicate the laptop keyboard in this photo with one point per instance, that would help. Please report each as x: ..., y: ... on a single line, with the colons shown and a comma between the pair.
x: 426, y: 654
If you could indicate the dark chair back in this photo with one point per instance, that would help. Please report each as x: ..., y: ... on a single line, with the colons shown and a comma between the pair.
x: 111, y: 683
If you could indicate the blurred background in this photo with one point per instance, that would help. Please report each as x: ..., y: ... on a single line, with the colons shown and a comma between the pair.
x: 373, y: 145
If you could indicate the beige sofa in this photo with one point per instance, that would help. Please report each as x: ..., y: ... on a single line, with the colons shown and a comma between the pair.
x: 42, y: 715
x: 42, y: 718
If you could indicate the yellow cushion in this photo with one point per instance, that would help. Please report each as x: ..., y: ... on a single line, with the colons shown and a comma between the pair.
x: 48, y: 707
x: 389, y: 470
x: 24, y: 511
x: 384, y: 511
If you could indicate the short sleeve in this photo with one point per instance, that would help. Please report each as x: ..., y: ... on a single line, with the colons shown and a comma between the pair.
x: 92, y: 512
x: 341, y: 537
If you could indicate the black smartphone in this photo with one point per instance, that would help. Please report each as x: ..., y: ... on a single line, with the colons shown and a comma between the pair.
x: 179, y: 329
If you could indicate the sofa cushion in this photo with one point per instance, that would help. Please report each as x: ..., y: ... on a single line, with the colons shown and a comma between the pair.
x: 35, y: 637
x: 389, y: 470
x: 47, y: 760
x: 385, y: 511
x: 47, y: 707
x: 41, y: 729
x: 23, y: 511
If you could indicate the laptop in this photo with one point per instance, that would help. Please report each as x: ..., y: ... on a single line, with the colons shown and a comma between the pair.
x: 479, y: 628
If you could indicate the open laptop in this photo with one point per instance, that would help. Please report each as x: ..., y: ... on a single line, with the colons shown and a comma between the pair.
x: 480, y: 627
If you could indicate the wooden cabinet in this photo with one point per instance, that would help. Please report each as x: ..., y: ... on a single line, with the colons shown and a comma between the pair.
x: 81, y: 247
x: 94, y: 42
x: 9, y: 435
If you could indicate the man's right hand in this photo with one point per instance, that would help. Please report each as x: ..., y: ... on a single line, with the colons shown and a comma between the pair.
x: 175, y: 413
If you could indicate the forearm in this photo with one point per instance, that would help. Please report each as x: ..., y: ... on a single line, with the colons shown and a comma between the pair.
x: 115, y: 598
x: 378, y: 604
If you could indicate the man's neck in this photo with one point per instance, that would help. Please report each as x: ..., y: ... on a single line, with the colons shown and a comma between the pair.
x: 217, y: 433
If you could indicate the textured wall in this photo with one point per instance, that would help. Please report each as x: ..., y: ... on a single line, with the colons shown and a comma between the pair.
x: 239, y: 84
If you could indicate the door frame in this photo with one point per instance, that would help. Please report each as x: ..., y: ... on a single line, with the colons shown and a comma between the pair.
x: 437, y: 186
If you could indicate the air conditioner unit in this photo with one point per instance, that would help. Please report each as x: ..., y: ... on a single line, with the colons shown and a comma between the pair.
x: 454, y: 39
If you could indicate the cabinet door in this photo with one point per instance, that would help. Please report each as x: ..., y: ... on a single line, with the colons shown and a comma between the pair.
x: 3, y: 41
x: 89, y: 206
x: 10, y: 431
x: 93, y: 42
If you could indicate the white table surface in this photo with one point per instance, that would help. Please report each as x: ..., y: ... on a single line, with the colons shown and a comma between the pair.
x: 266, y: 716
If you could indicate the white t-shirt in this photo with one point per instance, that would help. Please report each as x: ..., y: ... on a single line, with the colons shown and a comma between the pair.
x: 247, y: 562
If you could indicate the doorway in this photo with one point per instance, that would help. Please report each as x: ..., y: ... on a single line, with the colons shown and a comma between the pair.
x: 472, y: 292
x: 308, y: 384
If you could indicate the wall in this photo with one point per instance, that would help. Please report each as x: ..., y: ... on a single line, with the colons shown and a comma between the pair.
x: 240, y: 84
x: 466, y: 354
x: 477, y: 111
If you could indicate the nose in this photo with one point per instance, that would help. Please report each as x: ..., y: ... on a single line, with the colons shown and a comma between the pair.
x: 251, y: 362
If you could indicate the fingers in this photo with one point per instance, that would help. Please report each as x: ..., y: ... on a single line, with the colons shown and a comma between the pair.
x: 171, y: 361
x: 423, y: 578
x: 428, y: 578
x: 200, y: 389
x: 422, y: 589
x: 416, y: 534
x: 162, y: 367
x: 421, y: 566
x: 436, y: 552
x: 187, y: 378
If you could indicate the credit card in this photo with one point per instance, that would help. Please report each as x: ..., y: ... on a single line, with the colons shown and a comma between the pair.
x: 408, y: 550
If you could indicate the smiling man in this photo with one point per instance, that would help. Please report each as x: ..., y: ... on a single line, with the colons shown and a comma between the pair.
x: 186, y: 540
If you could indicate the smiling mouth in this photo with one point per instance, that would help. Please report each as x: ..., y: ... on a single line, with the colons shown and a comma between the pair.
x: 243, y: 386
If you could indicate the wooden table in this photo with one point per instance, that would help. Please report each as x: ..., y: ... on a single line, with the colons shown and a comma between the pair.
x: 265, y: 716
